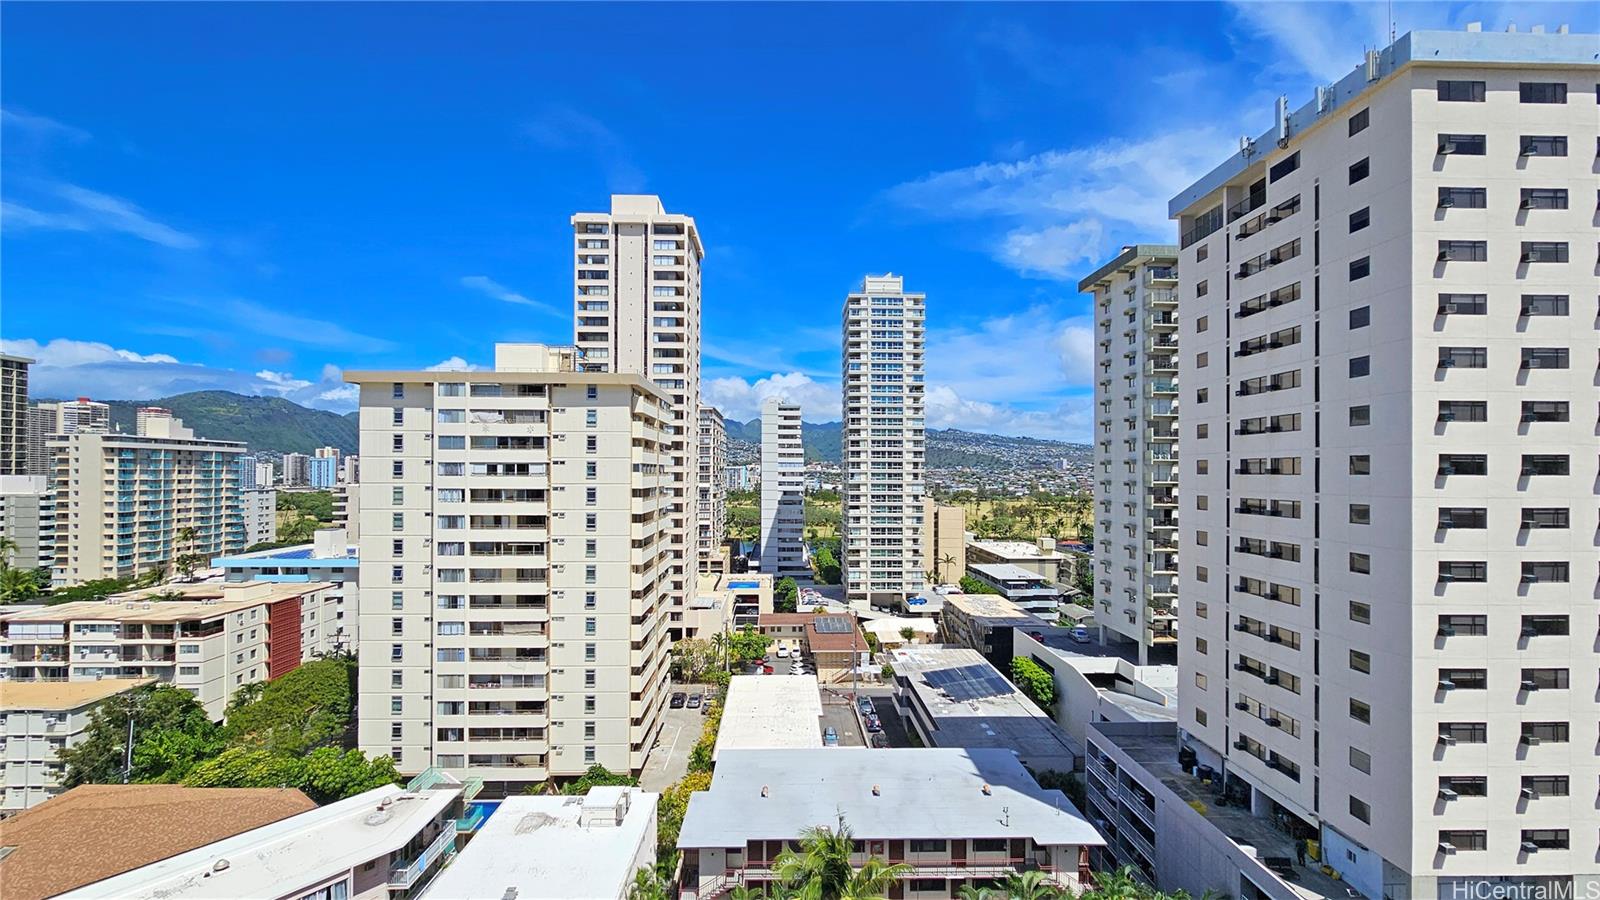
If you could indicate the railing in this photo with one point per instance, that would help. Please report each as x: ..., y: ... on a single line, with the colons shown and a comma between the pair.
x: 470, y: 822
x: 405, y: 876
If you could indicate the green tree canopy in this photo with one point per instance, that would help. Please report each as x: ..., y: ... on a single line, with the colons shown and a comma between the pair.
x: 306, y: 708
x: 1033, y: 680
x: 171, y: 733
x: 748, y: 644
x: 971, y: 585
x: 326, y: 774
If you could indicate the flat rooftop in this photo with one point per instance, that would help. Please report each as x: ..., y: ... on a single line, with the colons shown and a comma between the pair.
x: 899, y: 793
x: 551, y: 847
x: 1015, y: 549
x: 27, y: 695
x: 304, y: 556
x: 1158, y: 755
x: 990, y: 607
x: 287, y: 856
x: 1007, y: 572
x: 771, y: 712
x: 972, y: 705
x: 196, y: 601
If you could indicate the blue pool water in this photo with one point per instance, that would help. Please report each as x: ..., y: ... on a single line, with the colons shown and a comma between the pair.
x: 743, y: 585
x: 488, y: 807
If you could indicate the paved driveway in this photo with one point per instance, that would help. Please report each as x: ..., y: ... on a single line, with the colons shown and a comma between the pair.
x: 669, y: 759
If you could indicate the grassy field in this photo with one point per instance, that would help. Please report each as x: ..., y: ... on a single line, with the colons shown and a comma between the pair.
x: 1028, y: 518
x: 744, y: 516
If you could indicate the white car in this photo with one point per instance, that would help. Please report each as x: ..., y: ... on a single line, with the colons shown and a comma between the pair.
x: 783, y: 652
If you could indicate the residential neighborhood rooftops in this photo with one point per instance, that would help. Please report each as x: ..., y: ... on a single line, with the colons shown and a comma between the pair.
x: 94, y: 832
x: 24, y: 695
x: 989, y: 607
x: 770, y: 712
x: 902, y: 793
x: 1007, y: 572
x: 190, y: 601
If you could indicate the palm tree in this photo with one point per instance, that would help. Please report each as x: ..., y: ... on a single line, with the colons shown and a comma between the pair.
x: 972, y: 892
x: 648, y: 885
x: 746, y: 892
x: 1030, y: 885
x: 947, y: 561
x: 17, y: 585
x: 8, y: 549
x: 719, y: 644
x: 821, y: 870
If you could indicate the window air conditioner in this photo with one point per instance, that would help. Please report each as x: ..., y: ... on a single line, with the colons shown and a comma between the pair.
x: 1447, y: 794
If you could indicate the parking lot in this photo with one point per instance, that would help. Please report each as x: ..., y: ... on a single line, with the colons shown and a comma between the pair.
x: 680, y: 728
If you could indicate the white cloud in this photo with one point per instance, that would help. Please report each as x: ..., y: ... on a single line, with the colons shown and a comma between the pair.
x: 740, y: 399
x: 1052, y: 250
x: 1069, y: 420
x: 454, y: 364
x: 11, y: 117
x: 89, y: 211
x: 489, y: 287
x: 1027, y: 357
x: 65, y: 352
x: 282, y: 382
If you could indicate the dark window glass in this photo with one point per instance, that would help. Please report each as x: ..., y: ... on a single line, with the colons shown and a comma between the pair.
x: 1463, y: 197
x: 1543, y: 91
x: 1547, y: 785
x: 1463, y: 251
x: 1465, y: 785
x: 1547, y: 625
x: 1463, y: 357
x: 1361, y: 465
x: 1360, y: 268
x: 1544, y: 251
x: 1463, y: 570
x: 1546, y: 358
x: 1465, y: 625
x: 1463, y: 304
x: 1360, y: 170
x: 1464, y: 679
x: 1359, y: 122
x: 1464, y: 732
x: 1544, y: 198
x: 1546, y: 517
x: 1463, y: 517
x: 1545, y: 305
x: 1360, y: 219
x: 1284, y: 167
x: 1544, y: 145
x: 1546, y: 410
x: 1463, y: 464
x: 1360, y: 415
x: 1546, y: 732
x: 1465, y: 840
x: 1360, y: 317
x: 1461, y: 91
x: 1547, y: 572
x: 1360, y: 366
x: 1545, y: 464
x: 1463, y: 410
x: 1463, y: 145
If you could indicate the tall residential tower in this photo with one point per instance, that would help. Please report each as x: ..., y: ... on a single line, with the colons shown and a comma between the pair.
x: 711, y: 489
x: 1136, y: 445
x: 14, y: 414
x: 783, y: 490
x: 883, y: 443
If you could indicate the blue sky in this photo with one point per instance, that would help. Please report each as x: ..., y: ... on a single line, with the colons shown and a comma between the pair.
x: 256, y: 197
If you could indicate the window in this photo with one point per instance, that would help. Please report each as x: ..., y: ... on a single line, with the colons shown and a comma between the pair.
x: 1202, y: 395
x: 590, y: 574
x: 1463, y: 625
x: 1464, y: 732
x: 989, y: 845
x: 397, y: 627
x: 590, y: 600
x: 1360, y: 317
x: 452, y: 629
x: 1545, y: 410
x: 1360, y: 810
x: 591, y: 496
x: 591, y: 417
x: 1359, y: 122
x: 1545, y: 464
x: 1360, y: 711
x: 1202, y: 430
x: 1459, y: 840
x: 924, y: 846
x: 1202, y: 289
x: 398, y: 391
x: 1360, y: 268
x: 1463, y: 251
x: 1550, y: 625
x: 1284, y: 167
x: 1360, y: 366
x: 1361, y: 662
x: 1202, y: 323
x: 1360, y: 415
x: 397, y: 574
x: 1463, y: 198
x: 1544, y: 198
x: 1465, y: 785
x: 1453, y: 517
x: 1557, y: 572
x: 1545, y: 358
x: 1463, y: 570
x: 1543, y: 91
x: 1546, y: 732
x: 1360, y: 612
x: 1546, y: 786
x: 1360, y: 170
x: 452, y: 389
x: 1463, y: 304
x: 1463, y: 464
x: 1544, y: 145
x: 1464, y: 679
x: 398, y: 417
x: 1545, y: 305
x: 1461, y: 91
x: 1201, y: 360
x: 1360, y: 219
x: 1545, y: 517
x: 1546, y: 838
x: 1463, y: 410
x: 1462, y: 145
x: 1463, y: 357
x: 1544, y: 252
x: 1202, y: 467
x: 1200, y: 680
x: 1360, y: 760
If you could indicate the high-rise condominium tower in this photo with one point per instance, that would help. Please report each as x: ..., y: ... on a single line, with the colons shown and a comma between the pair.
x: 513, y: 572
x: 883, y: 442
x: 1389, y: 505
x: 14, y: 414
x: 1136, y: 445
x: 783, y: 490
x: 711, y: 490
x: 637, y: 303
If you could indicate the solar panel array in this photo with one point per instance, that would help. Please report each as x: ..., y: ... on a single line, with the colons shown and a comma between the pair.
x: 969, y: 682
x: 831, y: 624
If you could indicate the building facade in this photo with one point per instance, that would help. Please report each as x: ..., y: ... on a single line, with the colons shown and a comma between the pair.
x: 516, y: 568
x: 636, y: 277
x: 884, y: 444
x: 711, y: 491
x: 1136, y: 445
x: 38, y: 719
x: 296, y: 470
x: 944, y: 539
x: 322, y: 472
x: 27, y: 518
x: 129, y: 504
x: 1388, y: 503
x: 783, y: 490
x: 14, y: 414
x: 258, y: 509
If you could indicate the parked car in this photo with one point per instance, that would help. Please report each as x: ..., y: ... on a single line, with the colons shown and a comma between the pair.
x: 830, y: 738
x: 1080, y: 635
x: 694, y: 701
x: 678, y: 699
x: 766, y: 670
x: 873, y: 725
x: 783, y: 652
x: 865, y: 705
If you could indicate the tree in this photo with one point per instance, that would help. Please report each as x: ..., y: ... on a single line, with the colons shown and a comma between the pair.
x: 972, y: 585
x: 188, y: 564
x: 1031, y: 885
x: 325, y: 775
x: 827, y: 567
x: 307, y: 708
x: 98, y: 589
x: 8, y: 550
x: 947, y: 562
x: 670, y: 809
x: 17, y: 585
x: 748, y: 644
x: 821, y: 869
x: 785, y: 589
x: 171, y: 733
x: 908, y: 634
x: 650, y: 884
x: 1033, y: 680
x: 597, y: 776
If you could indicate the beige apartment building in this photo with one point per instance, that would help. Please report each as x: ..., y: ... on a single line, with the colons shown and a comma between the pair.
x: 636, y: 277
x: 711, y: 491
x: 14, y: 414
x: 124, y: 503
x: 38, y: 719
x: 67, y: 417
x: 1389, y: 491
x: 516, y: 567
x: 210, y: 639
x: 944, y: 538
x: 884, y: 443
x: 1136, y: 446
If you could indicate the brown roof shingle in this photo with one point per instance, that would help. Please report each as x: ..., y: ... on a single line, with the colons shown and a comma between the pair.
x: 95, y: 831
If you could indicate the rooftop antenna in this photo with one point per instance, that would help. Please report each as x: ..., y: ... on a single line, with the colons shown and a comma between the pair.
x: 1391, y: 21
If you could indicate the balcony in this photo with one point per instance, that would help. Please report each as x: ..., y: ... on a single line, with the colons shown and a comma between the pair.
x: 403, y: 877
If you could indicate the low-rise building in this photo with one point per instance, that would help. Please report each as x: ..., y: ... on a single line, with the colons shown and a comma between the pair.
x: 770, y: 712
x: 723, y: 603
x: 389, y: 842
x: 97, y: 831
x: 834, y: 640
x: 1098, y: 687
x: 556, y: 848
x: 37, y: 719
x: 209, y: 639
x: 1042, y: 558
x: 984, y: 622
x: 953, y: 697
x: 890, y: 631
x: 1024, y: 587
x: 956, y: 817
x: 329, y: 558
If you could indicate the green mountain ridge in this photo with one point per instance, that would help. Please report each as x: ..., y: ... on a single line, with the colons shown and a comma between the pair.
x: 266, y: 424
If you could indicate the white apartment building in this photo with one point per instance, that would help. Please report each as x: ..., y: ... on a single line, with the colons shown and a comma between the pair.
x: 14, y: 414
x: 265, y: 475
x: 37, y: 719
x: 258, y: 508
x: 68, y: 417
x: 783, y: 491
x: 152, y: 420
x: 711, y: 490
x: 636, y: 276
x: 1389, y: 497
x: 1136, y: 445
x: 27, y: 518
x: 125, y: 503
x: 515, y: 567
x: 883, y: 443
x: 209, y: 639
